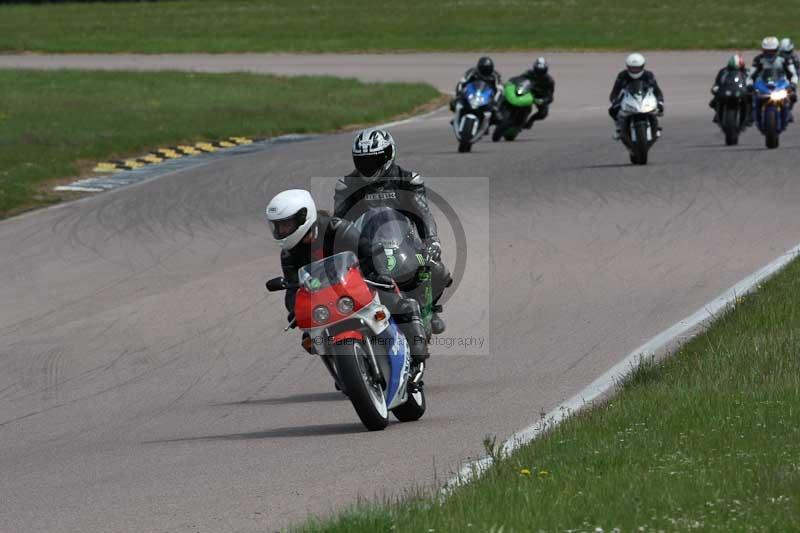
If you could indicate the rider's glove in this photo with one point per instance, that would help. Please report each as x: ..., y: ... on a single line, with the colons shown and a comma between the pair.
x: 433, y: 251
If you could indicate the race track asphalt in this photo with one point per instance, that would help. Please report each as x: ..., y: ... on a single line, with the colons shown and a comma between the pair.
x: 146, y: 384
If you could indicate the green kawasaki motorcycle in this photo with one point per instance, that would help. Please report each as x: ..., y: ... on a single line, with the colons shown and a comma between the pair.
x: 517, y: 105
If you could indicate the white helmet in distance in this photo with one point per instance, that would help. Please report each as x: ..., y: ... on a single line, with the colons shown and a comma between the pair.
x: 374, y: 153
x: 787, y: 45
x: 634, y: 64
x: 770, y: 45
x: 291, y: 215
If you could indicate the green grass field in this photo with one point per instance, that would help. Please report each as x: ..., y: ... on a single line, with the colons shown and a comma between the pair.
x: 387, y: 26
x: 708, y: 440
x: 58, y: 124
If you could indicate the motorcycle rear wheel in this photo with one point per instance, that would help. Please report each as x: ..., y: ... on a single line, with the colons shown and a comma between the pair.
x: 366, y: 395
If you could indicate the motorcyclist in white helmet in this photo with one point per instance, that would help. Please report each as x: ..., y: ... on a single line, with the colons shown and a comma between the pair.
x: 306, y: 235
x: 787, y: 52
x: 770, y: 58
x: 634, y: 70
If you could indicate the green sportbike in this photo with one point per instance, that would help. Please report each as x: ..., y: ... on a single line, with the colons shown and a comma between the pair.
x: 517, y: 105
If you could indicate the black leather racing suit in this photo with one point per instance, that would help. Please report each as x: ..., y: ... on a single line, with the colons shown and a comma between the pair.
x: 544, y: 89
x: 791, y: 57
x: 334, y: 235
x: 403, y: 191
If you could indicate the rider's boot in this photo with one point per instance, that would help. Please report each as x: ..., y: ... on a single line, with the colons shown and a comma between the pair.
x: 497, y: 133
x: 437, y: 324
x: 617, y: 133
x: 414, y: 330
x: 529, y: 123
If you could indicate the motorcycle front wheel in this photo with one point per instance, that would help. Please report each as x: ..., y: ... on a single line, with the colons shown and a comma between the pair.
x: 641, y: 145
x: 413, y: 409
x: 365, y: 393
x: 730, y: 125
x: 771, y: 128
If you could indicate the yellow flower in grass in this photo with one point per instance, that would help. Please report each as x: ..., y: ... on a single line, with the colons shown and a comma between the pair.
x: 543, y: 473
x: 525, y: 472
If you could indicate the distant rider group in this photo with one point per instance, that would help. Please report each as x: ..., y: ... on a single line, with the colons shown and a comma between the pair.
x: 636, y: 101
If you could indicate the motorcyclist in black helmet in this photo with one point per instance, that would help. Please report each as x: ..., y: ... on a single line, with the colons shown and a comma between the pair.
x: 306, y: 235
x: 543, y: 87
x: 483, y: 71
x: 378, y: 181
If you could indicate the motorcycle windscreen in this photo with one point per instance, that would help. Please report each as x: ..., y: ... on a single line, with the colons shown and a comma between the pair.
x: 389, y: 238
x: 774, y: 74
x: 518, y: 92
x: 327, y: 272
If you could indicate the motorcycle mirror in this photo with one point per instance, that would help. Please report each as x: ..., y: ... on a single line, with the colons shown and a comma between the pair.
x: 277, y: 284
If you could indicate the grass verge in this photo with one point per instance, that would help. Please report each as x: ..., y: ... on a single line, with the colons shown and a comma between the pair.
x: 387, y: 26
x: 707, y: 440
x: 55, y: 125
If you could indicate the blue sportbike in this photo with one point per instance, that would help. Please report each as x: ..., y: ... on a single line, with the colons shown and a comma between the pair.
x: 772, y: 104
x: 473, y: 114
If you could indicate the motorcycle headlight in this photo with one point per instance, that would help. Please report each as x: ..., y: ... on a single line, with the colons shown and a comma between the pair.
x: 321, y: 314
x: 474, y: 101
x: 779, y: 95
x: 345, y: 305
